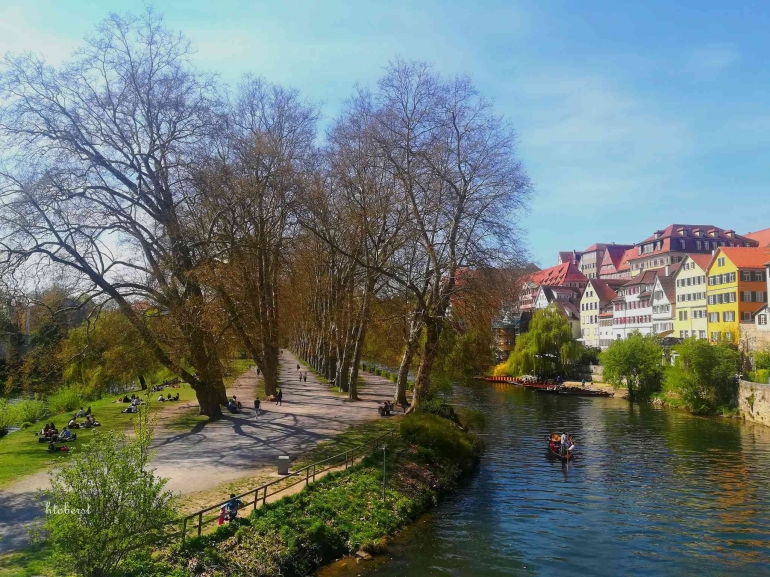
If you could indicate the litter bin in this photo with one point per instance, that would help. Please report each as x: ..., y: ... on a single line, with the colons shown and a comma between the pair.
x: 283, y: 465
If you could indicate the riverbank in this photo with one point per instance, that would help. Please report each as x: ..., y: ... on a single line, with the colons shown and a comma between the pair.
x: 343, y: 513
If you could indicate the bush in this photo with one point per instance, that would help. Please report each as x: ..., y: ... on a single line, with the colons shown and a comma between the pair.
x: 472, y: 419
x: 7, y: 414
x: 759, y: 376
x: 704, y: 375
x: 125, y: 508
x: 439, y: 408
x: 438, y: 435
x: 31, y: 410
x: 635, y: 362
x: 65, y: 399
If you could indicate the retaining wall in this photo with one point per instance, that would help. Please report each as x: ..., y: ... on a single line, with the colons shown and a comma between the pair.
x: 754, y: 402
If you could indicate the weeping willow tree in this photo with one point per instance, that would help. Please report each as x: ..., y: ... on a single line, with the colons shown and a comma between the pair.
x: 548, y: 349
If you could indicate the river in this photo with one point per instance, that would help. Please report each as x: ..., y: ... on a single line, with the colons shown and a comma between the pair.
x: 652, y: 492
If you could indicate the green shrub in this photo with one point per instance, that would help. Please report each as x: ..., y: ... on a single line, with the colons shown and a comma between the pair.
x: 25, y: 425
x: 65, y: 399
x: 437, y: 434
x: 437, y: 407
x: 472, y: 419
x: 31, y: 410
x: 759, y: 376
x: 7, y: 414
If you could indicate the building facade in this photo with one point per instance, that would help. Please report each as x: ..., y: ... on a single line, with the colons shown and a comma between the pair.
x: 736, y: 290
x: 672, y: 244
x: 691, y: 314
x: 632, y: 308
x: 663, y: 306
x: 596, y: 296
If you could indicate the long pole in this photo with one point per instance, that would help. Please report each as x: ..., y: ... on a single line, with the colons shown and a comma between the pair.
x: 383, y: 472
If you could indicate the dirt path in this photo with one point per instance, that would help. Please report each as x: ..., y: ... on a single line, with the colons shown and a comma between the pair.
x: 228, y: 449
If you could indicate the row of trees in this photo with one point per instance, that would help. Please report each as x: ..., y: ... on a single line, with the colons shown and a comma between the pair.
x: 218, y: 216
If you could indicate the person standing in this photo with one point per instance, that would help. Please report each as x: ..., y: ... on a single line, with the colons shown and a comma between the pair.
x: 256, y: 407
x: 279, y: 397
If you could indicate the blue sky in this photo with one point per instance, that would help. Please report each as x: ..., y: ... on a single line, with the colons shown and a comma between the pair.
x: 630, y: 116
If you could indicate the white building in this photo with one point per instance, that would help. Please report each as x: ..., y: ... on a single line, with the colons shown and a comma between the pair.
x: 663, y: 305
x: 632, y: 309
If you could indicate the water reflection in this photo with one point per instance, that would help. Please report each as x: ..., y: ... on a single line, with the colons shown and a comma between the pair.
x: 652, y: 492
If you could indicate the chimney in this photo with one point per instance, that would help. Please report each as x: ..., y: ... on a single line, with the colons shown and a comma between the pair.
x: 666, y: 271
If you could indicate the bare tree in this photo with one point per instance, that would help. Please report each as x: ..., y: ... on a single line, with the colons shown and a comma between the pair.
x: 458, y: 173
x: 97, y: 178
x: 251, y: 202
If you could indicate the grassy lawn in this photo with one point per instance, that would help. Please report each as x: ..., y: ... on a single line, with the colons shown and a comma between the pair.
x: 21, y: 454
x: 30, y: 562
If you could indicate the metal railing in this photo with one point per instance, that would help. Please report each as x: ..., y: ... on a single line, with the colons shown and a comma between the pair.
x: 306, y: 474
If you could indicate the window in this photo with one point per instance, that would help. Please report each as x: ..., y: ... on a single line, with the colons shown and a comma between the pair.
x: 698, y: 244
x: 728, y: 316
x: 715, y: 336
x: 721, y: 261
x: 732, y: 277
x: 759, y: 276
x: 761, y: 319
x: 746, y: 276
x: 746, y: 296
x: 746, y: 316
x: 728, y: 336
x: 713, y: 317
x: 701, y: 334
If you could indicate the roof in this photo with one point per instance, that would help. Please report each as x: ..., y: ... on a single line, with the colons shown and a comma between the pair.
x: 559, y: 274
x: 761, y: 236
x: 647, y: 277
x: 744, y: 257
x: 702, y: 260
x: 603, y: 290
x: 625, y: 260
x: 760, y: 310
x: 668, y: 284
x: 671, y: 231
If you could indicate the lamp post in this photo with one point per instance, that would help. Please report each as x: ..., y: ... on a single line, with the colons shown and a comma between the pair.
x: 383, y: 472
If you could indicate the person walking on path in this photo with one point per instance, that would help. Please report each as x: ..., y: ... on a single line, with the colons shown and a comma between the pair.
x: 256, y: 407
x: 297, y: 366
x: 279, y: 397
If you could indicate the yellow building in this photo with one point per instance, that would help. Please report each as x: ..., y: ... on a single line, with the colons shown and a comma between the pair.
x: 690, y: 319
x: 737, y: 288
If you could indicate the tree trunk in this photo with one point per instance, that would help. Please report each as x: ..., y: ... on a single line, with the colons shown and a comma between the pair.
x: 406, y: 362
x: 270, y: 369
x: 356, y: 362
x: 142, y: 383
x: 430, y: 352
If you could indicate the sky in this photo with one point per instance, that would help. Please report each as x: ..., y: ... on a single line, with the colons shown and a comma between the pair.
x: 630, y: 116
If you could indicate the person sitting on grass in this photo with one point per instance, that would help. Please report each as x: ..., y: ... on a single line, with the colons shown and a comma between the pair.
x: 175, y: 397
x: 169, y: 398
x: 92, y: 422
x: 66, y: 435
x: 232, y: 406
x: 237, y: 402
x: 73, y: 424
x: 129, y: 409
x: 81, y: 413
x: 53, y: 448
x: 161, y: 399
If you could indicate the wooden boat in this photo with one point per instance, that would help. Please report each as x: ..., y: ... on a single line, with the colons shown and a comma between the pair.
x: 556, y: 438
x: 575, y: 391
x: 558, y: 455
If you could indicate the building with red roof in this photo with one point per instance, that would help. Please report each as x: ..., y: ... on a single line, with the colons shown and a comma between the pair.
x: 761, y: 236
x: 593, y: 257
x: 671, y: 244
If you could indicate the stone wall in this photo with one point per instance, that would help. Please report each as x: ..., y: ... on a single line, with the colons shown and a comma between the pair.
x: 754, y: 402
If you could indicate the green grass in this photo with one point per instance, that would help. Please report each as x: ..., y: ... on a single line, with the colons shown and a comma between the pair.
x: 33, y: 561
x: 340, y: 513
x: 22, y: 455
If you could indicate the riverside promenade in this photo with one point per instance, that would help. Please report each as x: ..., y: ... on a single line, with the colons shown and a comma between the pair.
x: 230, y: 448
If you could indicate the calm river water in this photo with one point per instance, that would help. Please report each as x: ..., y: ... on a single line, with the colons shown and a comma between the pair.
x: 652, y: 492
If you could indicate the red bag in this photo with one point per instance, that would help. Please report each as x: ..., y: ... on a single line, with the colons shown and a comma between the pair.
x: 221, y: 516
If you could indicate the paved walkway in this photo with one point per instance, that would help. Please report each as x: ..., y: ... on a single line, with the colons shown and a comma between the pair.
x: 232, y: 447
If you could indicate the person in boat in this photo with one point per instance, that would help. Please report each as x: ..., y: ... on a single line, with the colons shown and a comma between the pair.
x: 553, y: 447
x: 567, y: 443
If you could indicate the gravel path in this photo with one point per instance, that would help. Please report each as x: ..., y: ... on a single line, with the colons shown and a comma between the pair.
x: 230, y: 448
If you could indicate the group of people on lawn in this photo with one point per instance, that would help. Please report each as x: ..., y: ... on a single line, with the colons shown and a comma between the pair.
x: 51, y: 434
